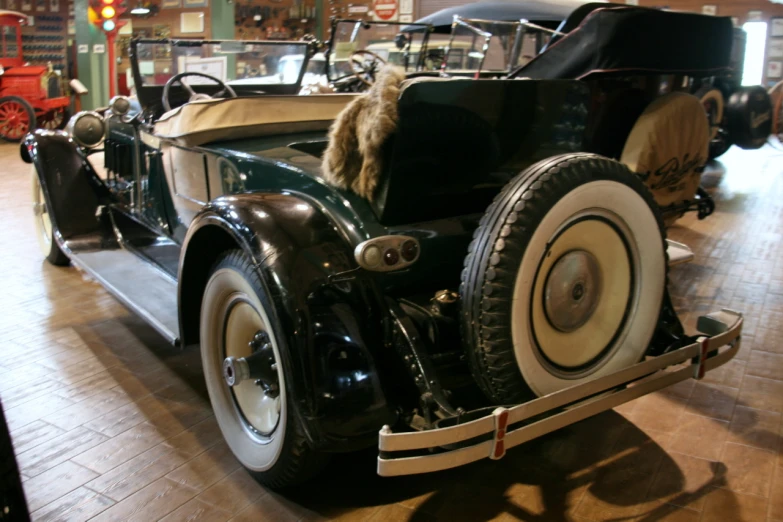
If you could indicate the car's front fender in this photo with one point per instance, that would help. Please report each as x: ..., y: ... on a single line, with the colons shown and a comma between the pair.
x: 72, y: 188
x: 329, y: 326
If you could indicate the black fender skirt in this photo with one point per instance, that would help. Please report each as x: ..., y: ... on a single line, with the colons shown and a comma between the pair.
x: 329, y: 323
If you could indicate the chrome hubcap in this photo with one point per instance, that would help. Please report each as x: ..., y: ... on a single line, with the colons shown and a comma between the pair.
x: 573, y: 290
x: 250, y: 369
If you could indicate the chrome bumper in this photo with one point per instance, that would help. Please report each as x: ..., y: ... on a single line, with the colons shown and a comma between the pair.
x: 496, y: 433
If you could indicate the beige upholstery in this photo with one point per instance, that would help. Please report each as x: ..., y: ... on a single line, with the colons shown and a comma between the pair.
x: 201, y: 122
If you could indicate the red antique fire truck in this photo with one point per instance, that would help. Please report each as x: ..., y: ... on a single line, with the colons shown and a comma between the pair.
x: 30, y: 95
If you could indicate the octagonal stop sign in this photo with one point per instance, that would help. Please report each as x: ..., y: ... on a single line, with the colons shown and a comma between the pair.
x: 385, y: 9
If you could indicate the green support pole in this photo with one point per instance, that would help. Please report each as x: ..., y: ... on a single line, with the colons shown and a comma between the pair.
x: 91, y: 66
x: 222, y: 27
x: 222, y: 20
x: 320, y: 6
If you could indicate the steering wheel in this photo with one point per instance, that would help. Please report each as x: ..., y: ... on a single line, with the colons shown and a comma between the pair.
x: 363, y: 68
x: 194, y: 96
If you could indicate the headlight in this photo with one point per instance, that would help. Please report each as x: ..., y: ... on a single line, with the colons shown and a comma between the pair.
x: 120, y: 105
x: 87, y: 129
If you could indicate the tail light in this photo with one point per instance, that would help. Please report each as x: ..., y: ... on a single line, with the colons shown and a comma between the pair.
x: 387, y: 253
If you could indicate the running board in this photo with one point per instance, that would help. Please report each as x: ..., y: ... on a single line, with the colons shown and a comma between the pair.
x: 408, y: 453
x: 138, y: 284
x: 678, y: 253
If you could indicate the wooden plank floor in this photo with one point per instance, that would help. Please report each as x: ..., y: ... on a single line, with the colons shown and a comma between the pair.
x: 109, y: 423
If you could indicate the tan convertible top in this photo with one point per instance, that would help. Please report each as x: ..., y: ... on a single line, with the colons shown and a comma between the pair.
x: 201, y: 122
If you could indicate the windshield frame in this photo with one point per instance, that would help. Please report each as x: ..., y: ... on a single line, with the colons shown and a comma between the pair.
x: 408, y: 26
x: 473, y: 25
x: 149, y: 95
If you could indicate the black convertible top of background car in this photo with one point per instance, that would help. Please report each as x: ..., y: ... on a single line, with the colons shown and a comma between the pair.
x: 612, y: 38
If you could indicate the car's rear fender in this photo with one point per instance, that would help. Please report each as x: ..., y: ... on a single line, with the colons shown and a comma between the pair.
x: 73, y: 190
x: 329, y: 332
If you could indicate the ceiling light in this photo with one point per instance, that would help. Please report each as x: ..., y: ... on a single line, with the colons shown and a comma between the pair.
x: 140, y: 10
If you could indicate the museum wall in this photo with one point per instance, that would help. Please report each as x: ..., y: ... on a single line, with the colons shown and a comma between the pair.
x: 739, y: 10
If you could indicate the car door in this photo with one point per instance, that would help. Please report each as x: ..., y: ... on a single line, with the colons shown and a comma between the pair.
x: 186, y: 176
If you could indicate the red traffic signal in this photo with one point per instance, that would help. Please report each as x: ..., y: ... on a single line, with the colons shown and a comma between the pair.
x: 107, y: 15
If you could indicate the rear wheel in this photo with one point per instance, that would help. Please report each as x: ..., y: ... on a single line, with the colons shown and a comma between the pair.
x: 565, y: 279
x: 255, y: 415
x: 17, y: 118
x: 43, y: 225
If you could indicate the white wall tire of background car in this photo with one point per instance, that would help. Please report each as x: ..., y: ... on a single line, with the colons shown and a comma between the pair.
x: 272, y: 446
x: 579, y: 231
x: 713, y: 103
x: 43, y: 224
x: 668, y: 148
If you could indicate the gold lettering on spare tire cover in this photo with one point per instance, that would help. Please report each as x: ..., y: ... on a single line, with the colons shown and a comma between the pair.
x: 668, y: 147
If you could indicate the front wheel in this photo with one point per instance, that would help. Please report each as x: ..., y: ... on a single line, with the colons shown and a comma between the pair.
x: 17, y: 118
x: 56, y: 119
x: 254, y: 413
x: 565, y: 279
x: 43, y: 225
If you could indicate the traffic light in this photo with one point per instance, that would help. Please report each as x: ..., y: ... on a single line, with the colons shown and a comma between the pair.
x: 107, y: 14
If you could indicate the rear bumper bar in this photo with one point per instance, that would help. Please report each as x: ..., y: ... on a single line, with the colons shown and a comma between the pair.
x: 410, y: 453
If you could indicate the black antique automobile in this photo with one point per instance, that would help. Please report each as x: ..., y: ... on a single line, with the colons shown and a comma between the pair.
x: 457, y: 266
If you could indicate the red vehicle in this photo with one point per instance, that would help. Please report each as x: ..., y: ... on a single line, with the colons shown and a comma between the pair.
x: 30, y: 95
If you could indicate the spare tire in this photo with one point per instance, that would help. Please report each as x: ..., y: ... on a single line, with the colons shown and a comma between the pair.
x: 749, y: 117
x: 668, y: 149
x: 564, y: 280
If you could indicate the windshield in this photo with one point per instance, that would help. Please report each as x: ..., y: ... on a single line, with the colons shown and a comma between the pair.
x: 9, y: 48
x: 384, y: 39
x: 489, y: 45
x: 233, y: 62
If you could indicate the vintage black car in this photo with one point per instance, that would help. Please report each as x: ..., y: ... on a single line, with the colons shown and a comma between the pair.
x: 456, y: 267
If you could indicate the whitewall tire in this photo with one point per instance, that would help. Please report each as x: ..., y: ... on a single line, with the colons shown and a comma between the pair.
x: 255, y: 419
x: 565, y: 279
x: 44, y: 230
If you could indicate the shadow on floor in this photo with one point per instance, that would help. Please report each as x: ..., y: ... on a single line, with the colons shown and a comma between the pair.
x: 603, y: 466
x: 542, y: 480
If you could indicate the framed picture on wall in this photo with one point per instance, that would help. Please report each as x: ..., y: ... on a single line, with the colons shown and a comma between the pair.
x: 196, y: 3
x: 709, y: 9
x: 27, y: 5
x: 161, y: 31
x: 774, y: 69
x: 775, y: 49
x: 11, y: 4
x: 171, y: 4
x: 776, y: 28
x: 191, y: 23
x: 40, y: 6
x: 54, y: 6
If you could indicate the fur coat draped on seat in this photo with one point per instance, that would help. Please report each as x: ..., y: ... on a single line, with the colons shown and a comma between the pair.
x: 353, y: 158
